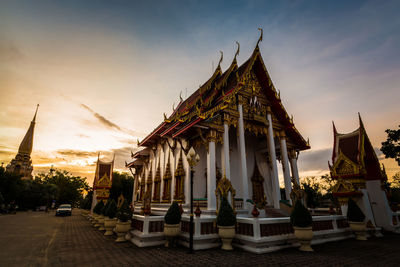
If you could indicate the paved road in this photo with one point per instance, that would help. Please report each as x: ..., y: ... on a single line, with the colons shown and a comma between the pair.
x: 40, y: 239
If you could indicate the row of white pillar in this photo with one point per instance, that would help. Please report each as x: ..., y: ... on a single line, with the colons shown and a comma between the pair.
x: 211, y: 168
x: 211, y: 165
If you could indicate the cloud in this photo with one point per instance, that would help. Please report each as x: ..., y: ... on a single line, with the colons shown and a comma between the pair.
x: 9, y: 51
x: 110, y: 124
x: 314, y: 160
x: 103, y: 120
x: 76, y: 153
x: 317, y: 160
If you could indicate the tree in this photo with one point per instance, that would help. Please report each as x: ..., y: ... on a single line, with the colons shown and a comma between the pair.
x: 10, y: 185
x: 395, y: 181
x: 122, y: 183
x: 391, y: 147
x: 70, y: 188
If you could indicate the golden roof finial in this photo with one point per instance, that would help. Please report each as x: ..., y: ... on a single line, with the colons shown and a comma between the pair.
x: 220, y: 60
x: 237, y: 51
x: 261, y: 36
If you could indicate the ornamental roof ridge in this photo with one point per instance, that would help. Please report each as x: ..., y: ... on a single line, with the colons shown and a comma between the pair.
x: 218, y: 90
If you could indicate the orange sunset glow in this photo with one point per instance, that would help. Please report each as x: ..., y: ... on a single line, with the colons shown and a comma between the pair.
x: 104, y: 76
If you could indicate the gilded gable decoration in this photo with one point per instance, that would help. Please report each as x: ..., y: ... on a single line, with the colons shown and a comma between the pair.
x: 224, y: 187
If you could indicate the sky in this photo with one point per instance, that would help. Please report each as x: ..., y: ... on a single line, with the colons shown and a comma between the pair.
x: 104, y: 72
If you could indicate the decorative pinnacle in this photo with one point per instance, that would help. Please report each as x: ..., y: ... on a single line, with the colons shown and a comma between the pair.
x: 34, y: 117
x: 222, y: 57
x: 237, y: 51
x: 261, y: 36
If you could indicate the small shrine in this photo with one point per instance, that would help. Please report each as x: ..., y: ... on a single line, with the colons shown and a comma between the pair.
x: 22, y: 163
x: 359, y: 176
x: 102, y: 180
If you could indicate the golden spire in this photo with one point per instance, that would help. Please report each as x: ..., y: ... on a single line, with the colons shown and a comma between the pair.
x: 27, y: 143
x: 261, y: 36
x: 220, y: 60
x: 237, y: 51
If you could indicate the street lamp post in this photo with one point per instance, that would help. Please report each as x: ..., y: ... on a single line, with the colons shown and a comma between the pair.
x: 192, y: 158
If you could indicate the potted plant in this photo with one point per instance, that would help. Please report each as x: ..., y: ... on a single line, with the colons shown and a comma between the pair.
x: 97, y: 210
x: 123, y: 225
x: 110, y: 221
x: 171, y: 226
x: 103, y: 216
x: 356, y: 217
x: 226, y: 221
x: 302, y: 224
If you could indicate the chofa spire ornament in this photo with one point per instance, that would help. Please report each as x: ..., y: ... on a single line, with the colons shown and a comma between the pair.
x: 237, y: 51
x: 261, y: 36
x: 221, y: 58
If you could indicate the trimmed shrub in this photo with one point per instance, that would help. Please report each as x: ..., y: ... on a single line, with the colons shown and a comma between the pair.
x: 124, y: 212
x: 300, y: 216
x: 98, y: 208
x: 111, y: 210
x: 103, y: 210
x: 173, y: 215
x: 354, y: 213
x: 226, y: 216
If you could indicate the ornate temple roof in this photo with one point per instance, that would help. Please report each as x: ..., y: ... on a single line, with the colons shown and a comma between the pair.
x: 355, y: 148
x: 103, y: 174
x: 209, y: 101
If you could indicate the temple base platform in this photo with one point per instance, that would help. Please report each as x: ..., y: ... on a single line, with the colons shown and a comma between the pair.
x: 257, y: 235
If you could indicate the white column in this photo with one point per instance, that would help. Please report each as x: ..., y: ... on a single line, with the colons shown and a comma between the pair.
x: 173, y: 168
x: 211, y: 177
x: 286, y: 170
x: 272, y: 156
x: 293, y: 165
x: 162, y: 171
x: 135, y: 185
x: 187, y: 178
x: 242, y: 152
x: 226, y: 152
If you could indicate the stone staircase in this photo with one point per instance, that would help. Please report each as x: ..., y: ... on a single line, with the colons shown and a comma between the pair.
x: 271, y: 212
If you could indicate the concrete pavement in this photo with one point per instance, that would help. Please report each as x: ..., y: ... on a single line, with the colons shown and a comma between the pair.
x: 41, y: 239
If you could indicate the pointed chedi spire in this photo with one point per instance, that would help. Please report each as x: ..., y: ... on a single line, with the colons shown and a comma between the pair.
x: 27, y: 143
x: 22, y: 163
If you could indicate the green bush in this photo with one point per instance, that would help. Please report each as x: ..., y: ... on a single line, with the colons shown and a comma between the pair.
x: 226, y: 216
x: 124, y: 212
x: 354, y: 213
x: 111, y: 210
x: 300, y: 216
x: 103, y: 210
x: 99, y: 206
x: 173, y: 215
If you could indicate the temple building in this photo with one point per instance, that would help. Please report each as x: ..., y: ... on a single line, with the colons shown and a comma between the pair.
x: 237, y: 124
x: 22, y: 163
x: 102, y: 181
x: 359, y: 176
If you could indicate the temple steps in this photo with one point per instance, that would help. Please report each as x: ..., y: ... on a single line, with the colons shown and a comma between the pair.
x: 271, y: 212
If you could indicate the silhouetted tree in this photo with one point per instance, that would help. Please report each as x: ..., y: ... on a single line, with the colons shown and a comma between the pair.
x: 391, y: 147
x: 122, y: 183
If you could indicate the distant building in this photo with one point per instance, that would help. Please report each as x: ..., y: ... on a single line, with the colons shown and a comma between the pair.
x: 102, y: 181
x: 358, y: 175
x: 22, y: 163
